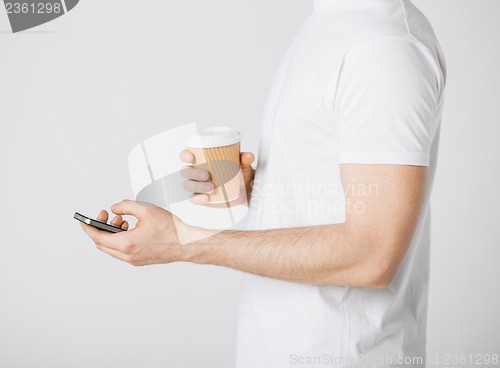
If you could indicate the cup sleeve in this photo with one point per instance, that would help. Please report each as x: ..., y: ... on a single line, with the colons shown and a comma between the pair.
x: 385, y: 105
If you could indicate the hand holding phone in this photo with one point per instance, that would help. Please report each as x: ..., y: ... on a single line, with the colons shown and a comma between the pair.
x: 98, y: 224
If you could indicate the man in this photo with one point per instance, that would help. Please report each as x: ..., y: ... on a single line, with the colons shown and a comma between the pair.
x: 332, y: 277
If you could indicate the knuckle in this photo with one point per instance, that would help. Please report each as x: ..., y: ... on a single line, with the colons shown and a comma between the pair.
x: 128, y: 258
x: 143, y: 208
x: 128, y: 248
x: 202, y: 175
x: 133, y: 261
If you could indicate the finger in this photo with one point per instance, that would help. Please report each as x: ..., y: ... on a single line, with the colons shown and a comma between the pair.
x: 192, y: 186
x: 102, y: 216
x: 110, y: 240
x: 246, y: 159
x: 117, y: 221
x: 120, y: 222
x: 192, y: 173
x: 129, y: 207
x: 201, y: 199
x: 187, y: 156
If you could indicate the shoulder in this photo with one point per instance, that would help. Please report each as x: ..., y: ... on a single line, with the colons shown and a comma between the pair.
x: 391, y: 30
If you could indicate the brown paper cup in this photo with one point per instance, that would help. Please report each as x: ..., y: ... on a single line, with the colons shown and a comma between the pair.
x: 223, y: 164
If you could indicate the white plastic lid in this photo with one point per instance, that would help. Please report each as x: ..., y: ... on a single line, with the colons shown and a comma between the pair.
x: 217, y: 136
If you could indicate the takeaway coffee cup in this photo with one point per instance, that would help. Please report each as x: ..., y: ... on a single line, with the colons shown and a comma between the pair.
x: 217, y: 149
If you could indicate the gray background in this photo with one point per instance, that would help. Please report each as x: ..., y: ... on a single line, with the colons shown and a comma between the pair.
x: 93, y: 83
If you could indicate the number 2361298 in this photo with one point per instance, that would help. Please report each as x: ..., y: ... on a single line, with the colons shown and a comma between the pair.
x: 33, y: 8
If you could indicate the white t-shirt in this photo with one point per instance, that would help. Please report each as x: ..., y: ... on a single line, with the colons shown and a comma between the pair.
x: 362, y: 82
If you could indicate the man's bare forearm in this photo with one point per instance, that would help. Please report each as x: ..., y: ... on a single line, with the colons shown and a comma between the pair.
x: 323, y: 255
x: 365, y: 250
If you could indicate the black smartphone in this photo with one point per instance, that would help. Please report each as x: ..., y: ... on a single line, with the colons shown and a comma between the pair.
x: 98, y: 224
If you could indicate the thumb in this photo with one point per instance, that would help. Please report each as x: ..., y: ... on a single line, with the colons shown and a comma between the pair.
x: 247, y: 159
x: 129, y: 207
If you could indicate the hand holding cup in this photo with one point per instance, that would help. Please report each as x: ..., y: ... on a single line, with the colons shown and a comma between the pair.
x: 219, y: 173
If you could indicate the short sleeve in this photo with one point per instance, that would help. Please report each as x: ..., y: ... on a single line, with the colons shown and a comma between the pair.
x: 385, y: 103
